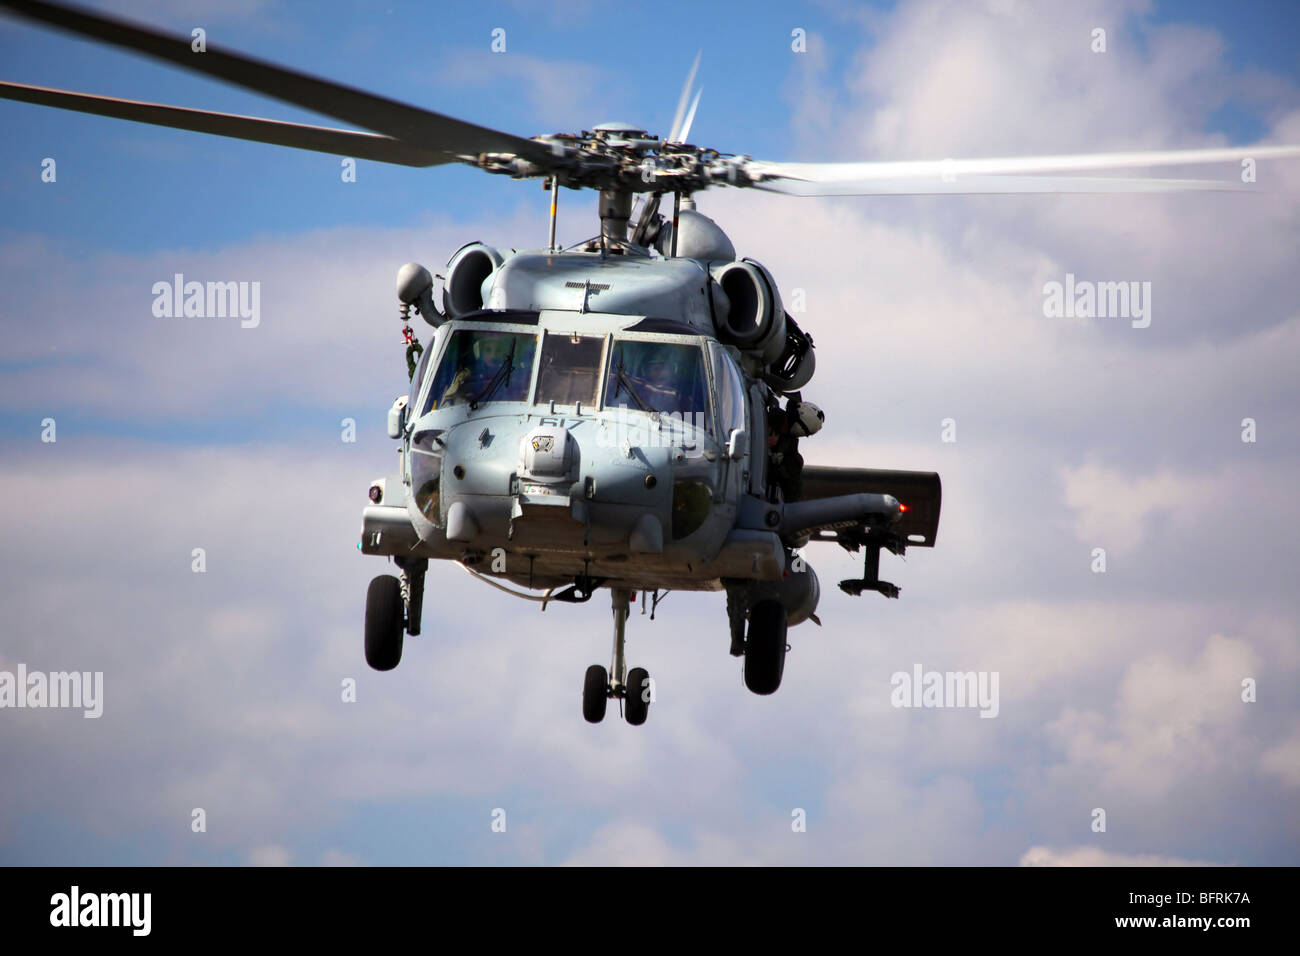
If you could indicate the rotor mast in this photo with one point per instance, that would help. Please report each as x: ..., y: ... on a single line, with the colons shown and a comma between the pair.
x: 615, y: 208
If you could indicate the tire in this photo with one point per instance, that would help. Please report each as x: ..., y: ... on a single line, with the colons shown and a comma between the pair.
x: 385, y: 622
x: 635, y: 707
x: 595, y: 694
x: 765, y: 647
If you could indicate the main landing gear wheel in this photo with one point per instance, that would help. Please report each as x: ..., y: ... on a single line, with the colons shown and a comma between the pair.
x: 595, y: 694
x: 765, y: 647
x: 385, y: 622
x: 636, y: 702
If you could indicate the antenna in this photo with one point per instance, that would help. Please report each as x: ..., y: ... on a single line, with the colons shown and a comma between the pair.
x: 677, y: 208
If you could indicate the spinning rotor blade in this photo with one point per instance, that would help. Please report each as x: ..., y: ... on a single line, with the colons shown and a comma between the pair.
x: 600, y: 159
x: 1007, y: 175
x: 339, y: 142
x: 690, y: 118
x: 995, y: 185
x: 422, y: 130
x: 680, y: 129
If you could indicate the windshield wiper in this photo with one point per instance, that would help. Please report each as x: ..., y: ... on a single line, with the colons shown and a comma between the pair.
x: 624, y: 380
x: 502, y: 376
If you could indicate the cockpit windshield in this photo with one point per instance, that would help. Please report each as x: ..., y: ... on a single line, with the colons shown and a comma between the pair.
x: 657, y: 377
x: 483, y: 366
x: 570, y: 369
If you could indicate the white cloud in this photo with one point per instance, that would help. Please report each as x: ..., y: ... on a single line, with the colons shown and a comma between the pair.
x: 1119, y: 690
x: 1114, y: 509
x: 1090, y: 856
x: 635, y: 844
x: 271, y: 855
x: 339, y: 858
x: 561, y: 94
x: 1177, y: 720
x: 1283, y: 760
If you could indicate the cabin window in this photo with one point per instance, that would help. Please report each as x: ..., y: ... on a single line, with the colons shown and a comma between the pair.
x: 570, y: 369
x: 483, y: 366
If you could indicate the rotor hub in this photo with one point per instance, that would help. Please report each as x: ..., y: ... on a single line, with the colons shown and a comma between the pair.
x: 624, y: 157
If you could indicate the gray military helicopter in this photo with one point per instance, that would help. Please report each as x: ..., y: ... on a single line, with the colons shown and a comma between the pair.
x: 608, y: 415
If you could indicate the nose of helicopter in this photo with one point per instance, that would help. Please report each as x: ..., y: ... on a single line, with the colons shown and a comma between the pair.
x: 554, y: 488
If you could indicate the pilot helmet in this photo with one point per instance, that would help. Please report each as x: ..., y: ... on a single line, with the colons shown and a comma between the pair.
x: 490, y: 345
x: 664, y: 357
x: 808, y: 419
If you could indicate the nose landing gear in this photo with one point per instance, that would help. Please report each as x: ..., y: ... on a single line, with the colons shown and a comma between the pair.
x: 633, y: 688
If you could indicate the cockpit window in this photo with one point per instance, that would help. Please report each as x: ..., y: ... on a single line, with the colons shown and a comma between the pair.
x: 657, y: 377
x: 570, y: 370
x: 731, y: 392
x: 483, y: 366
x: 418, y: 378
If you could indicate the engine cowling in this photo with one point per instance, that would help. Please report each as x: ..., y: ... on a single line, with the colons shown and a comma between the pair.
x: 698, y: 237
x: 468, y: 273
x: 794, y: 367
x: 748, y: 311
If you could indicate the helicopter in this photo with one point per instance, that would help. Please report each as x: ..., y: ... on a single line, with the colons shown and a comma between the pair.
x: 609, y: 415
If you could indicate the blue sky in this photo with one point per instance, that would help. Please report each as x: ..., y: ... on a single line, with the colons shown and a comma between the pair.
x: 637, y: 80
x: 142, y: 187
x: 1119, y: 690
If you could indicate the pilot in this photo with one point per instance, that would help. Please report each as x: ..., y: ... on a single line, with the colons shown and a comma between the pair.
x: 489, y: 352
x: 660, y: 376
x: 785, y: 427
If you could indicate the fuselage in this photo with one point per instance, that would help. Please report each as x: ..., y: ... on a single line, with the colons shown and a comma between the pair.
x: 544, y: 444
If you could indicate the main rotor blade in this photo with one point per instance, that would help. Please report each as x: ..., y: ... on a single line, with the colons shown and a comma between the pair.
x: 885, y: 175
x: 419, y: 128
x: 676, y: 135
x: 340, y: 142
x: 995, y: 185
x: 685, y: 131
